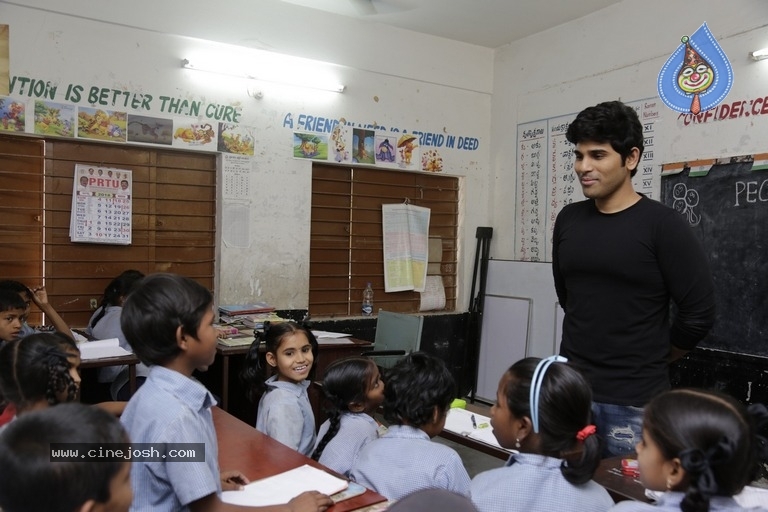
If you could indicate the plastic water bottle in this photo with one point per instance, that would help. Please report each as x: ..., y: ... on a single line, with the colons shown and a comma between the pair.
x: 368, y: 300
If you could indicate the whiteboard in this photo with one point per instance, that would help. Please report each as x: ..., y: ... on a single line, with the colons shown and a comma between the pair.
x: 504, y: 340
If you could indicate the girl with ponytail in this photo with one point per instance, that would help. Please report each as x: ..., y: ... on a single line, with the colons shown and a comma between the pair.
x: 543, y: 410
x: 353, y: 390
x: 700, y: 448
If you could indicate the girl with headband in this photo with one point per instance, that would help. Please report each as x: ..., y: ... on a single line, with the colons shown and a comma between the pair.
x: 543, y: 410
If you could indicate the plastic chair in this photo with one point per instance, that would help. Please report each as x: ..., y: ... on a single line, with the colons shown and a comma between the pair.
x: 397, y: 334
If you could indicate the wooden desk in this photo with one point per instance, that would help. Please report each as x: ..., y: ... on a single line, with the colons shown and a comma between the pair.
x: 618, y: 485
x: 475, y: 444
x: 257, y: 455
x: 130, y: 360
x: 327, y: 353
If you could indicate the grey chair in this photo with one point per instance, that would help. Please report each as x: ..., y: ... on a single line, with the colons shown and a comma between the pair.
x: 397, y: 334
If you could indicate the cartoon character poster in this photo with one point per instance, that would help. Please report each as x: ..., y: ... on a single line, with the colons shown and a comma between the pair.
x: 385, y: 147
x: 201, y: 136
x: 98, y: 124
x: 236, y: 139
x: 12, y: 115
x: 154, y: 130
x: 54, y: 119
x: 431, y: 161
x: 408, y: 152
x: 310, y: 145
x: 362, y: 146
x: 340, y: 144
x: 697, y: 76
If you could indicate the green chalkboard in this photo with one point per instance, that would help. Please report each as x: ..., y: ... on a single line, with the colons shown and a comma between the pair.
x: 727, y: 208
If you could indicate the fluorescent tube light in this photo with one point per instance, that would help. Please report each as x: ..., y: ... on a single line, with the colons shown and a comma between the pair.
x: 759, y: 54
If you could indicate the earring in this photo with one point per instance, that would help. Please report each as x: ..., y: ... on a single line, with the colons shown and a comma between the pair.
x: 669, y: 484
x: 517, y: 443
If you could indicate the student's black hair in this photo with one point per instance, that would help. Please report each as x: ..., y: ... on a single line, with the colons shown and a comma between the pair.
x: 345, y: 381
x: 565, y: 407
x: 36, y: 368
x: 10, y: 299
x: 118, y: 288
x: 15, y: 286
x: 612, y: 122
x: 417, y: 384
x: 154, y: 311
x: 712, y: 434
x: 255, y: 370
x: 32, y: 481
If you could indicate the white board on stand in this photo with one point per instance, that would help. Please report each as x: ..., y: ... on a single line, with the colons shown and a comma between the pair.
x: 504, y: 340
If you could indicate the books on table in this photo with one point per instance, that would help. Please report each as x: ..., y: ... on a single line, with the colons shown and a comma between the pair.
x: 245, y: 309
x: 101, y: 348
x: 282, y: 488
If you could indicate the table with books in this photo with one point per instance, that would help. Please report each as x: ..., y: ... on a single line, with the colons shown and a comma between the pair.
x: 247, y: 319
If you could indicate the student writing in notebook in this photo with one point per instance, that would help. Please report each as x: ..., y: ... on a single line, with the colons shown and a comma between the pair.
x: 168, y: 320
x: 543, y: 409
x: 284, y: 411
x: 417, y: 396
x: 353, y: 390
x: 33, y: 481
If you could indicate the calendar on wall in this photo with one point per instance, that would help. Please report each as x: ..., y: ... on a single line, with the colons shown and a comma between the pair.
x: 101, y: 205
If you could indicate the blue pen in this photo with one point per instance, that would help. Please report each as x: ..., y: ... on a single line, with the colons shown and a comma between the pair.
x: 474, y: 423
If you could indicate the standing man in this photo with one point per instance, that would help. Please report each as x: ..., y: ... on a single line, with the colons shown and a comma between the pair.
x: 618, y: 259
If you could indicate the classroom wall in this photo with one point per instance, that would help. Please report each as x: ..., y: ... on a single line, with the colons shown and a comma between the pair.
x: 395, y: 79
x: 615, y: 53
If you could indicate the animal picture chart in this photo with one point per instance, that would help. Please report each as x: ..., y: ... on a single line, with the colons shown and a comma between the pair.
x: 101, y: 205
x: 546, y: 180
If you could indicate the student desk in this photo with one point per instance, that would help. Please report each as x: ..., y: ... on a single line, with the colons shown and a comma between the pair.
x: 256, y: 455
x: 608, y: 474
x: 618, y: 485
x: 327, y: 352
x: 131, y: 360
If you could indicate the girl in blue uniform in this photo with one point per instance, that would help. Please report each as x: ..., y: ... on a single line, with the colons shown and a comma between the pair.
x: 354, y: 390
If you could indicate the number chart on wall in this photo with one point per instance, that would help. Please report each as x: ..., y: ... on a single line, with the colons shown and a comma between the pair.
x: 546, y: 181
x: 101, y: 205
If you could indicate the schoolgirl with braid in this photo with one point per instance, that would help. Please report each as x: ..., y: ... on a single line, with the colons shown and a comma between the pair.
x: 353, y: 390
x: 39, y: 370
x: 700, y: 448
x: 543, y: 410
x: 42, y: 370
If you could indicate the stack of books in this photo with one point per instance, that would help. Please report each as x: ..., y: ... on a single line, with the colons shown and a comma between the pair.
x: 251, y: 316
x: 245, y: 309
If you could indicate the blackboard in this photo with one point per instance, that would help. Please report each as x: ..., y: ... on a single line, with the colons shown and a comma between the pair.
x: 727, y: 208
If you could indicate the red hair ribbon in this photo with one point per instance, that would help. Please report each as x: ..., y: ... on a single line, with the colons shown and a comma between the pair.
x: 584, y: 433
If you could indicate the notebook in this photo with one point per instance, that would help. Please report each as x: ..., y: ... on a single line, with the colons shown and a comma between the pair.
x: 282, y: 488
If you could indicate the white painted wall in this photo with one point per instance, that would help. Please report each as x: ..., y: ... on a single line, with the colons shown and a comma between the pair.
x: 394, y: 78
x: 615, y: 53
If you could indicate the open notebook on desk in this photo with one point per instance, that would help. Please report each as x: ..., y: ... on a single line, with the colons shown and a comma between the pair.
x: 282, y: 488
x: 459, y: 421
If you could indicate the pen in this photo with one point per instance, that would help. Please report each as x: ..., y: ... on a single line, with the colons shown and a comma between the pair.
x: 474, y: 423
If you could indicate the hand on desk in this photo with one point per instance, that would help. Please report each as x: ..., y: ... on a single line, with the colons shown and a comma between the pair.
x: 233, y: 481
x: 310, y: 501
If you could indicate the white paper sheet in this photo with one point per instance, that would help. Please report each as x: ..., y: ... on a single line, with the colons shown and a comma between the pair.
x: 459, y: 421
x: 101, y: 348
x: 282, y: 488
